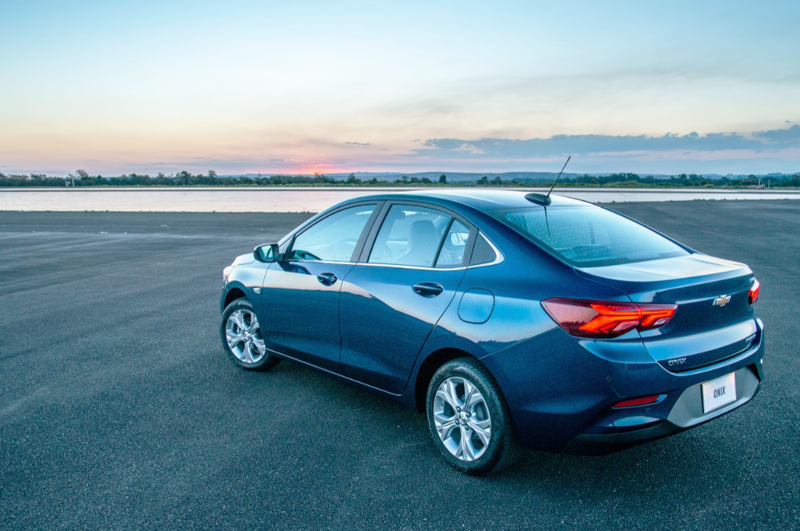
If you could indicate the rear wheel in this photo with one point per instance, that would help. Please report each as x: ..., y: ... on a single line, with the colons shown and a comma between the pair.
x: 242, y: 339
x: 469, y: 419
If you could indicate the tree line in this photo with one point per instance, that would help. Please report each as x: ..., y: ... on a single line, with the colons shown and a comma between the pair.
x: 184, y: 178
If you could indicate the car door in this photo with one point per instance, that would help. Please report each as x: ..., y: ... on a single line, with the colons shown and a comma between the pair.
x: 300, y: 294
x: 408, y: 274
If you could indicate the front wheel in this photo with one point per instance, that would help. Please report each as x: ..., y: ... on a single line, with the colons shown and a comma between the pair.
x: 469, y: 419
x: 242, y: 339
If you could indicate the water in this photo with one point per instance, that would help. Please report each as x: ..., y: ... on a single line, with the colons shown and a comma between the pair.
x: 300, y: 199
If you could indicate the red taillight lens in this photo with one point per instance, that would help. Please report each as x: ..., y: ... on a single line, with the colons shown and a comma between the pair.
x: 641, y: 401
x: 754, y: 291
x: 605, y: 320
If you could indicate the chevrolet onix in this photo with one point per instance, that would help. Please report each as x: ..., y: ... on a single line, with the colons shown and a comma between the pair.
x: 511, y: 319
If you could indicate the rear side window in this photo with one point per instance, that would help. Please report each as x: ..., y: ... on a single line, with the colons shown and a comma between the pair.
x: 455, y: 243
x: 587, y: 236
x: 409, y: 236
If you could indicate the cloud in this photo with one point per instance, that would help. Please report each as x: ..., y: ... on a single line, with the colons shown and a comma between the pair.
x: 788, y: 137
x: 765, y: 151
x: 588, y: 145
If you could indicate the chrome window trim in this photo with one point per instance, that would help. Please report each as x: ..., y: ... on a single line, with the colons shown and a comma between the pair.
x: 499, y: 259
x: 293, y: 261
x: 398, y: 266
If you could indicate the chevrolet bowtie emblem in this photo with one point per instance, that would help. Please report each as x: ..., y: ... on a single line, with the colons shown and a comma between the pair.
x: 722, y: 300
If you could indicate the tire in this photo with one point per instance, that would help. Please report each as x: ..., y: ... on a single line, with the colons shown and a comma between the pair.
x: 242, y: 339
x: 482, y: 453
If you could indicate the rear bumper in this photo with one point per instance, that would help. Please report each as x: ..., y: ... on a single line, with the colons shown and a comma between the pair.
x: 563, y: 403
x: 686, y: 413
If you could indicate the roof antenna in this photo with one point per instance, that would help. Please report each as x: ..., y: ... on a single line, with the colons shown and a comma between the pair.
x: 542, y: 199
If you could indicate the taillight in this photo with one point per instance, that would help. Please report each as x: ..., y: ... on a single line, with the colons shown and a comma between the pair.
x: 754, y: 290
x: 606, y: 320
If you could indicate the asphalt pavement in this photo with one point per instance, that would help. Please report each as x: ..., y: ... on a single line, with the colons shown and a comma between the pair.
x: 120, y: 410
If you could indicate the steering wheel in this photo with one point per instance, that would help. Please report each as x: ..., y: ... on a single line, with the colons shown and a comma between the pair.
x: 305, y: 255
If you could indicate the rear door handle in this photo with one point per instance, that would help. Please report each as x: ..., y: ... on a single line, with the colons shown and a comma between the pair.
x: 427, y: 289
x: 329, y: 279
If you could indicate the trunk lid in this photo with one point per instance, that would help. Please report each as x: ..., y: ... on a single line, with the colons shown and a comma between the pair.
x: 714, y: 319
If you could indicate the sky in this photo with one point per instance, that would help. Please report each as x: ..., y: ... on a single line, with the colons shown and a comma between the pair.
x: 302, y: 87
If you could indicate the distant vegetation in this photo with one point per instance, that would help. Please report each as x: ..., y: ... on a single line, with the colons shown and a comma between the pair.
x: 185, y: 178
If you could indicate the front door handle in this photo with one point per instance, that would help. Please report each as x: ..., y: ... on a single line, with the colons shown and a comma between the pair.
x: 329, y: 279
x: 427, y: 289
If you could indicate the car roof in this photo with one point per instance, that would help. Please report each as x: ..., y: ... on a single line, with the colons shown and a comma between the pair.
x: 482, y: 200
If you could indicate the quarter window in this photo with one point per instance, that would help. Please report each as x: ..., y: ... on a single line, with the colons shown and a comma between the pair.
x: 483, y: 252
x: 409, y: 236
x: 334, y: 238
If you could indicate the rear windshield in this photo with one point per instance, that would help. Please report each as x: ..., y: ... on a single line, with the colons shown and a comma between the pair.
x: 587, y: 236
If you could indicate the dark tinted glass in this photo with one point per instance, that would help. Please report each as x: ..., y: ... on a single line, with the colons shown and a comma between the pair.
x: 482, y: 253
x: 587, y: 236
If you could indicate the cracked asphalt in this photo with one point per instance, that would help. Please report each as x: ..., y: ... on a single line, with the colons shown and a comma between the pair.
x: 120, y: 410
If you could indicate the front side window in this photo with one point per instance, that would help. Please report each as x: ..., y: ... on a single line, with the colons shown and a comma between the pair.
x: 587, y: 236
x: 409, y: 236
x: 334, y: 238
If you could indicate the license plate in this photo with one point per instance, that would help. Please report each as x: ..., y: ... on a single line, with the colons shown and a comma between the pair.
x: 719, y: 392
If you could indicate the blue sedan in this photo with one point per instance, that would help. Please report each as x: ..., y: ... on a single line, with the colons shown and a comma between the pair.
x: 512, y: 320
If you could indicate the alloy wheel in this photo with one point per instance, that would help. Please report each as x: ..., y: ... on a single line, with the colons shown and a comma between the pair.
x: 243, y: 334
x: 462, y: 418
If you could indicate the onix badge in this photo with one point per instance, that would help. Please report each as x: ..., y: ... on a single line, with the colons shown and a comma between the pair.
x: 722, y: 300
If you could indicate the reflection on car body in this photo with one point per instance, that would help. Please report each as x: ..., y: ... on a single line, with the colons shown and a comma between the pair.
x: 560, y: 327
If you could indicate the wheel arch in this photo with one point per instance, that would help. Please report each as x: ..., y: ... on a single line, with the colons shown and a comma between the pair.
x: 429, y: 367
x: 233, y: 294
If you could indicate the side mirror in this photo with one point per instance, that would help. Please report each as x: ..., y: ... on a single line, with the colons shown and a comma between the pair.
x: 269, y: 252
